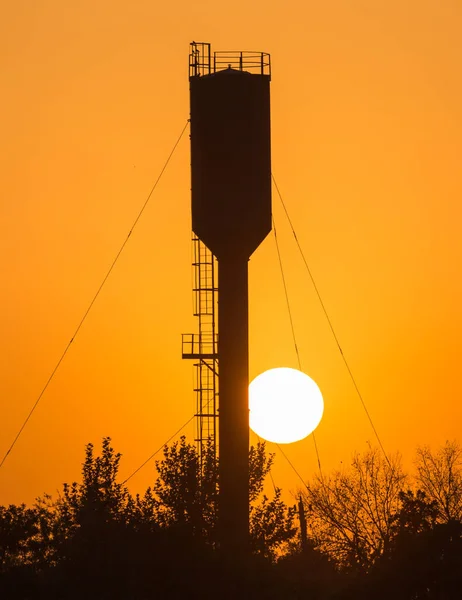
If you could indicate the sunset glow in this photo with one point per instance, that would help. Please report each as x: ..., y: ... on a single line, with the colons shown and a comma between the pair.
x: 366, y: 143
x: 285, y: 405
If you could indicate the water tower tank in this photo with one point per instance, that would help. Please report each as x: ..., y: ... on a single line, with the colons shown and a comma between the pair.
x: 231, y: 159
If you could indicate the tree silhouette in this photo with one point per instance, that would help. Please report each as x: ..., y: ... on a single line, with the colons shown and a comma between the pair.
x: 185, y: 496
x: 370, y: 536
x: 439, y: 475
x: 424, y: 559
x: 415, y: 515
x: 185, y: 491
x: 350, y: 513
x: 18, y: 527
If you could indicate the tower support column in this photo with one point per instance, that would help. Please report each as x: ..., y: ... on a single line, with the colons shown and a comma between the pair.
x: 233, y: 420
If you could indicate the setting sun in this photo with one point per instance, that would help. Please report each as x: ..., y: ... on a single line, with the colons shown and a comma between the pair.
x: 285, y: 405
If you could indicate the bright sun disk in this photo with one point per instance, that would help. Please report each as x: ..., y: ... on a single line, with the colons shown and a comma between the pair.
x: 285, y: 405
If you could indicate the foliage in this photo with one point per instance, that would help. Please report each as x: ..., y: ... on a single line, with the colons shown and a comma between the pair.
x: 185, y: 495
x: 185, y: 492
x: 369, y: 534
x: 425, y: 560
x: 259, y: 467
x: 351, y: 513
x: 415, y: 515
x: 439, y: 475
x: 271, y: 525
x: 99, y: 496
x: 18, y: 528
x: 271, y: 521
x: 89, y: 516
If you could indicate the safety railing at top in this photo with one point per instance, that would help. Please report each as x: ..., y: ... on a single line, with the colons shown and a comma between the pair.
x: 252, y: 62
x: 202, y: 62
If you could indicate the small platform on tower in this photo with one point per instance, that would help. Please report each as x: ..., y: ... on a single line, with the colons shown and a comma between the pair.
x: 197, y: 346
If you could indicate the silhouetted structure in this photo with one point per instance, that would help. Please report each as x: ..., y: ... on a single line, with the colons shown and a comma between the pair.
x: 203, y: 347
x: 231, y: 215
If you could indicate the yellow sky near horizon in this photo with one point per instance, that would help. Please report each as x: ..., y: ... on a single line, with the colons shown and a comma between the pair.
x: 366, y: 147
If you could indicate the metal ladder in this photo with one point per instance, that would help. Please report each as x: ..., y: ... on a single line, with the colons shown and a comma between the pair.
x: 203, y: 346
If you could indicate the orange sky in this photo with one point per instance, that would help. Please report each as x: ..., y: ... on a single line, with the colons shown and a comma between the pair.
x: 366, y: 130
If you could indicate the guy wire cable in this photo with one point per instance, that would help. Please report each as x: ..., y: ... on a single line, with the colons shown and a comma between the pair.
x: 293, y: 468
x: 34, y: 406
x: 159, y: 449
x: 294, y: 339
x: 326, y: 314
x: 164, y: 444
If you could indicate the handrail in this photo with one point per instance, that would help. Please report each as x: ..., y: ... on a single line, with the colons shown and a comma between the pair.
x: 251, y: 61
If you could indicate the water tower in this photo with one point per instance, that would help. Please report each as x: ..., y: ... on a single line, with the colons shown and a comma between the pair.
x: 231, y: 216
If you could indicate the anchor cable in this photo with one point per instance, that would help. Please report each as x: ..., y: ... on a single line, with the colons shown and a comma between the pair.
x: 158, y: 449
x: 289, y: 310
x: 326, y: 314
x: 36, y: 403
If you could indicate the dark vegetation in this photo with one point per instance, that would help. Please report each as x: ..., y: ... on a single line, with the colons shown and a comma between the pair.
x: 373, y: 532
